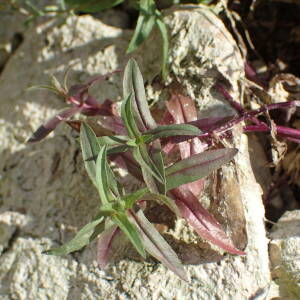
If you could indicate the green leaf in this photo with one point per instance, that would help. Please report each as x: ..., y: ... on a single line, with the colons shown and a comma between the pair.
x: 164, y: 33
x: 156, y: 245
x: 83, y: 237
x: 150, y: 181
x: 102, y: 171
x: 128, y: 117
x: 130, y: 199
x: 112, y: 140
x: 90, y: 149
x: 115, y: 143
x: 117, y: 149
x: 141, y: 155
x: 159, y: 162
x: 165, y: 131
x: 91, y: 6
x: 145, y: 23
x: 133, y: 83
x: 197, y: 166
x: 130, y: 230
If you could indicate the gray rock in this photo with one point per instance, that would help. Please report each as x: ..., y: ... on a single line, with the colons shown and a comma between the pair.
x: 44, y: 186
x: 284, y: 251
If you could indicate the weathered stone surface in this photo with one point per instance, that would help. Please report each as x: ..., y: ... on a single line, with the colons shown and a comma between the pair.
x: 46, y: 195
x: 284, y: 251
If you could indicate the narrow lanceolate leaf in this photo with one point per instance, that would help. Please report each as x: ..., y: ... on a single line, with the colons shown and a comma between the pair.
x: 165, y: 131
x: 156, y: 245
x: 157, y: 157
x: 117, y: 149
x: 113, y: 183
x: 81, y: 239
x: 91, y: 6
x: 141, y: 155
x: 104, y: 245
x: 197, y: 166
x: 127, y: 162
x: 201, y: 220
x: 113, y: 140
x: 149, y: 180
x: 103, y: 184
x: 52, y: 123
x: 90, y: 150
x: 128, y: 117
x: 145, y: 23
x: 164, y: 34
x: 133, y: 83
x: 115, y: 143
x: 130, y: 230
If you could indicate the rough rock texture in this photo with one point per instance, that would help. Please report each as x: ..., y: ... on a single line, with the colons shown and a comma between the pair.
x: 284, y: 251
x: 46, y: 196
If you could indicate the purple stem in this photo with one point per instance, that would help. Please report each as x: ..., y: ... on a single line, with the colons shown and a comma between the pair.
x: 228, y: 97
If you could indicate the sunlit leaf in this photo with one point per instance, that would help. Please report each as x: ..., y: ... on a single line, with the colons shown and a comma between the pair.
x: 81, y: 239
x: 133, y: 83
x: 197, y: 166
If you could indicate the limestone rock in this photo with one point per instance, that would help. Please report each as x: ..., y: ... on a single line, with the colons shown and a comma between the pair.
x: 45, y: 184
x: 284, y: 251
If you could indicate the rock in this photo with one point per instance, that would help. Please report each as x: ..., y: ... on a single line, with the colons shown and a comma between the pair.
x: 46, y: 185
x: 10, y: 39
x: 284, y: 252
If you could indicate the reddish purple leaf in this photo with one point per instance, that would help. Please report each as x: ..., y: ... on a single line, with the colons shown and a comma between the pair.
x: 114, y: 124
x: 210, y: 124
x: 91, y: 107
x: 201, y: 220
x: 127, y: 162
x: 77, y: 90
x: 52, y: 123
x: 183, y: 110
x: 104, y: 250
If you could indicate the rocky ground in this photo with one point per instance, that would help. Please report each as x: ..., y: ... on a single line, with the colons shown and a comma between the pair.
x: 45, y: 194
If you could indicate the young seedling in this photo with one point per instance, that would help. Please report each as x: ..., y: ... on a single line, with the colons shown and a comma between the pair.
x: 78, y: 97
